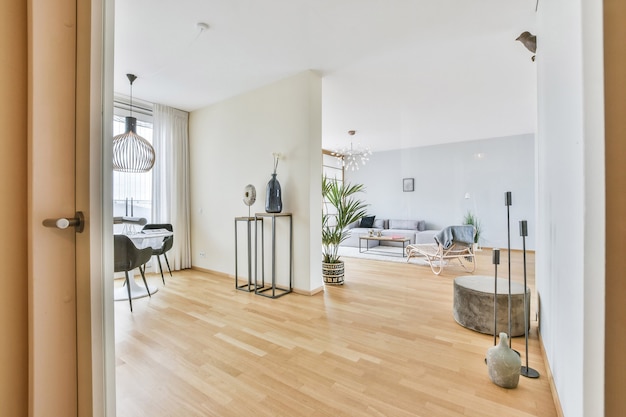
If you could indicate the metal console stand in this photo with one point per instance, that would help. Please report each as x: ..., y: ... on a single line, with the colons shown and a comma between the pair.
x: 275, y: 290
x: 249, y: 286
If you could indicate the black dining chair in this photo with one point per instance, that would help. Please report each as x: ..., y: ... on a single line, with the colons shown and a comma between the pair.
x: 128, y: 257
x: 168, y: 242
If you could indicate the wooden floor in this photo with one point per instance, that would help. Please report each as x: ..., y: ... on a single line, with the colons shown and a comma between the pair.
x: 383, y: 344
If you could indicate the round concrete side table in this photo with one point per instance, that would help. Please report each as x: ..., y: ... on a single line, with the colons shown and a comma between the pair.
x: 473, y: 304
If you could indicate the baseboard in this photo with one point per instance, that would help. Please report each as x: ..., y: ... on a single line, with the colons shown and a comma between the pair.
x: 502, y: 250
x: 212, y: 272
x: 555, y: 394
x: 225, y: 275
x: 311, y: 292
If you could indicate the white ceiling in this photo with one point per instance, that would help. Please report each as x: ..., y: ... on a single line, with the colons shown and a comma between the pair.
x: 401, y: 73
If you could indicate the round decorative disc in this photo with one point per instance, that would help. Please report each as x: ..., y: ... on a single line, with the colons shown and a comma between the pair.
x: 249, y: 195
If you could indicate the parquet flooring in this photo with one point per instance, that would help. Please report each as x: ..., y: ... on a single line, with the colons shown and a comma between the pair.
x: 383, y: 344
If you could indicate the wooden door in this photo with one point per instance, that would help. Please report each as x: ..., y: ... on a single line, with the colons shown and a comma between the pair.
x: 59, y: 294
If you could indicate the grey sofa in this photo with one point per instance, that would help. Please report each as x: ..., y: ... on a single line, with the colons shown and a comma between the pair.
x: 415, y: 230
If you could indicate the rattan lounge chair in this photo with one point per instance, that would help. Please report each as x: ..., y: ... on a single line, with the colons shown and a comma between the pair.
x: 438, y: 254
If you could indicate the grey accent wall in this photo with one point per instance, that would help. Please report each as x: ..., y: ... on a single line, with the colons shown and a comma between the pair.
x: 445, y: 175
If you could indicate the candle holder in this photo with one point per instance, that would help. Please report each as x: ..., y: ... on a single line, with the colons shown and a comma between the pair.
x: 526, y: 370
x: 495, y: 259
x: 508, y: 201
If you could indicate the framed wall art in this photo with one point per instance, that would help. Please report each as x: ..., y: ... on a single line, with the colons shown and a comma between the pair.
x: 408, y: 184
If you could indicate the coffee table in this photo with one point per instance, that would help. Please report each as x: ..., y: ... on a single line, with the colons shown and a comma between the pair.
x: 401, y: 239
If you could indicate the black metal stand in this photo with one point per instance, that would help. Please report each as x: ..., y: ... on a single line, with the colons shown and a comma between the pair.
x: 249, y: 286
x: 495, y: 259
x: 273, y: 291
x: 526, y: 370
x: 508, y: 202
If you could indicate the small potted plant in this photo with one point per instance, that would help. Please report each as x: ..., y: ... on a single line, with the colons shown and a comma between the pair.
x: 340, y: 208
x: 471, y: 219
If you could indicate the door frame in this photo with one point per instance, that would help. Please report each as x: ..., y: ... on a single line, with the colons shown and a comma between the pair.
x: 101, y: 178
x: 106, y: 293
x: 96, y: 320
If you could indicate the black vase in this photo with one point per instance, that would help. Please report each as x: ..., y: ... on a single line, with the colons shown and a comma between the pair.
x: 273, y: 196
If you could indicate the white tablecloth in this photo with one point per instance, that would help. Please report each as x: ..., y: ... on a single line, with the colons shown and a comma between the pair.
x: 150, y: 238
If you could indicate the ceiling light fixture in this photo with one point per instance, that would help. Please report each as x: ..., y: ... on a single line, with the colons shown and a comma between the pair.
x: 353, y: 156
x: 131, y: 152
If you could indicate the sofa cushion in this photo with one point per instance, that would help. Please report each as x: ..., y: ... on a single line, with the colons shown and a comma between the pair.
x: 418, y: 225
x: 380, y: 224
x: 403, y: 224
x: 367, y: 221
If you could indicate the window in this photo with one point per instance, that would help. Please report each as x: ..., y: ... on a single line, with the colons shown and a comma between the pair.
x: 331, y: 166
x: 132, y: 192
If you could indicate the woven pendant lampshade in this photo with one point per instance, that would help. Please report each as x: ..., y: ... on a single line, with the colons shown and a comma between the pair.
x: 131, y: 152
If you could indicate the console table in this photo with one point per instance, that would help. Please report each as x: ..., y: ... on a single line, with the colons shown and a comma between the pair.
x: 273, y: 291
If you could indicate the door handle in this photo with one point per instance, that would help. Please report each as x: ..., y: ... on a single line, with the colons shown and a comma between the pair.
x: 78, y: 222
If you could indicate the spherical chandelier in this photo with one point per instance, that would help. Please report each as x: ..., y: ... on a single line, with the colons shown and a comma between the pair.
x: 353, y: 156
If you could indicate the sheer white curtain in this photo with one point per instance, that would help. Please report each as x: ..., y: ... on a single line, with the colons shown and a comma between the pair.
x: 170, y: 181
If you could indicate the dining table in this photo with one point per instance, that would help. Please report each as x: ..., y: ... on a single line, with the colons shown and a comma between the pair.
x: 146, y: 238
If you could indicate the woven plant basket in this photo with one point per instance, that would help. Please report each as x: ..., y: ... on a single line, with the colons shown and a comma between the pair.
x: 333, y: 273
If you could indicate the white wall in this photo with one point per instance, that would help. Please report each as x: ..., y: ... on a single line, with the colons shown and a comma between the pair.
x: 570, y: 243
x: 444, y: 174
x: 231, y: 145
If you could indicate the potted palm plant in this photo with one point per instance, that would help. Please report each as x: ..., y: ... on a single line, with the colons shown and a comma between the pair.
x: 340, y: 208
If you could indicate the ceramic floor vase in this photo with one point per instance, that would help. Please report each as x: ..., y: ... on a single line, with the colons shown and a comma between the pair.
x: 504, y: 364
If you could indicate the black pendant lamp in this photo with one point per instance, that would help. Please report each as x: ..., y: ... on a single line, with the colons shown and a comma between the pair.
x: 131, y: 152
